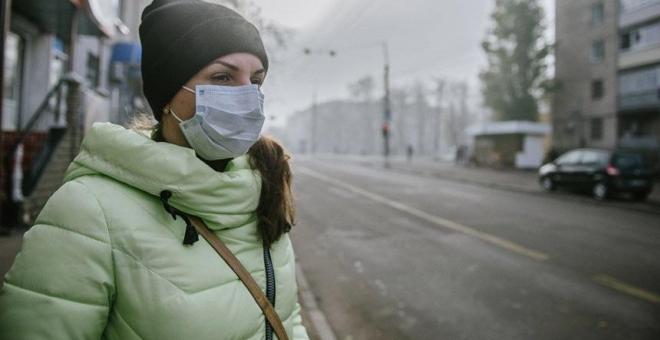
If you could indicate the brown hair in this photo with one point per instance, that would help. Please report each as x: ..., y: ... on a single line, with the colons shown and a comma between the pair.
x: 276, y: 211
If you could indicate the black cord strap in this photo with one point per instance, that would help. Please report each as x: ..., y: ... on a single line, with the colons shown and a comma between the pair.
x: 191, y: 236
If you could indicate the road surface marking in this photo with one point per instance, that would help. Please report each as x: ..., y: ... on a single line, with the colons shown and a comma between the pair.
x: 615, y: 284
x: 500, y: 242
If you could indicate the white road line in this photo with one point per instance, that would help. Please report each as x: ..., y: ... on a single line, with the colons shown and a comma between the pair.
x: 626, y: 288
x: 500, y: 242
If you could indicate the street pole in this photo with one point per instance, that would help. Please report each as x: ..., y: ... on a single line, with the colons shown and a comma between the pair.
x: 313, y: 127
x: 387, y: 112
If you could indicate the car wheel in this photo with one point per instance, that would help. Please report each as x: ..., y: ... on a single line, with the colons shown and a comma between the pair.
x: 547, y: 183
x: 600, y: 191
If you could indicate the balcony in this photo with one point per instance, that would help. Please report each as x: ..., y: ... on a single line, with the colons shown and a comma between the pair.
x: 639, y: 88
x: 635, y: 12
x: 639, y: 101
x: 640, y: 57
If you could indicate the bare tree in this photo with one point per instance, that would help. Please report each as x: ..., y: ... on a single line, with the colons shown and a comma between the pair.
x: 399, y: 98
x: 458, y: 116
x: 440, y: 87
x: 275, y: 36
x: 362, y: 89
x: 421, y: 111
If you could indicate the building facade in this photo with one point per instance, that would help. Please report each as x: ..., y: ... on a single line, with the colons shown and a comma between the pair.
x: 62, y: 72
x: 608, y: 72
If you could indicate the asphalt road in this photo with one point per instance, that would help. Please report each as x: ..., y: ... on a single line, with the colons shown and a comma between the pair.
x: 399, y: 256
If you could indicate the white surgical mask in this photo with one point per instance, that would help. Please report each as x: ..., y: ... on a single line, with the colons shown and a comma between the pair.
x: 227, y: 120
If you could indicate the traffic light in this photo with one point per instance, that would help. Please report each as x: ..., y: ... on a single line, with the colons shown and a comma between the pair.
x: 386, y: 129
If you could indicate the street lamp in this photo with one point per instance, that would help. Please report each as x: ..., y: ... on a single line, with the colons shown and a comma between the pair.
x: 387, y: 111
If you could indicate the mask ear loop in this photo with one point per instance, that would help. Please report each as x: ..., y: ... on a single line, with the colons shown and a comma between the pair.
x: 168, y: 109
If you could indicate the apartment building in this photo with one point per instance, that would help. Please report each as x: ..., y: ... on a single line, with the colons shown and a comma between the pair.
x: 608, y: 70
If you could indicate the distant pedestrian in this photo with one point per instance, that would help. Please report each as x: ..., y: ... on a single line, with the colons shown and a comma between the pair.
x: 114, y: 254
x: 409, y: 153
x: 461, y: 154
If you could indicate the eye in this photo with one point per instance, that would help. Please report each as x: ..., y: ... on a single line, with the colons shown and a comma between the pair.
x: 257, y: 81
x: 221, y: 77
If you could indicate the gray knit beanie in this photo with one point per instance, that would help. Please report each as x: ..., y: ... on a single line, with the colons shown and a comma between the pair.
x: 181, y: 37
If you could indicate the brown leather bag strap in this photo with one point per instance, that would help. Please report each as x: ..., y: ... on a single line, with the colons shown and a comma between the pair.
x: 243, y: 274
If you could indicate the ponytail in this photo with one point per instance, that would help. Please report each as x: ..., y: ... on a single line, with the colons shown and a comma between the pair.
x: 275, y: 213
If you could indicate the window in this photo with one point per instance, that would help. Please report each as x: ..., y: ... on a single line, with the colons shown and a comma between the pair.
x: 596, y: 128
x: 572, y: 157
x: 92, y: 70
x: 597, y: 14
x: 598, y: 51
x: 597, y: 89
x: 641, y: 37
x: 593, y: 157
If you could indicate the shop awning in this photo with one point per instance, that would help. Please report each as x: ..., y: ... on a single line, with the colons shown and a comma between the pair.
x: 126, y: 53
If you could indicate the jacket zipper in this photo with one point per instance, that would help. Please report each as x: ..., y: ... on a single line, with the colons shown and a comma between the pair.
x: 270, y: 287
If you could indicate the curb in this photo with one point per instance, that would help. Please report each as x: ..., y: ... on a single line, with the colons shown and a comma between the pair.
x: 316, y: 317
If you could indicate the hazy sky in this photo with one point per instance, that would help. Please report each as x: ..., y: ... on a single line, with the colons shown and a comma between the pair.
x: 426, y: 39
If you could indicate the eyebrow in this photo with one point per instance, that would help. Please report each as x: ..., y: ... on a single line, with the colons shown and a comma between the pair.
x: 234, y: 67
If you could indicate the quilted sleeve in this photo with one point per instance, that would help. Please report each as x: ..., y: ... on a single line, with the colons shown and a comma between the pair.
x: 61, y: 284
x: 299, y: 331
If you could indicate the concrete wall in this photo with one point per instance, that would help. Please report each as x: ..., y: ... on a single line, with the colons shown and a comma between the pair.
x: 573, y: 106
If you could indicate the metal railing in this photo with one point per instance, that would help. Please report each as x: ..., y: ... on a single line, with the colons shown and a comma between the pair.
x: 51, y: 106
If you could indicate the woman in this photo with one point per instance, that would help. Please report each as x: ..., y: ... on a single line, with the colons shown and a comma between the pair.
x: 106, y: 258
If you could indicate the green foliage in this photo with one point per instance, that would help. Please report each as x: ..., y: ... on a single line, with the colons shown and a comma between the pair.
x: 517, y: 52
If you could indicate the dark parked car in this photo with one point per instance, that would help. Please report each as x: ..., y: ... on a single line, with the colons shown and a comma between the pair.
x: 602, y: 172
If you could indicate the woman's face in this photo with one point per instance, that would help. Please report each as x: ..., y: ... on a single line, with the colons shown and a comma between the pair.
x: 234, y: 69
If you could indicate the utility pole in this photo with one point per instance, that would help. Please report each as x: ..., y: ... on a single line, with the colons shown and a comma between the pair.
x: 387, y: 111
x: 314, y: 122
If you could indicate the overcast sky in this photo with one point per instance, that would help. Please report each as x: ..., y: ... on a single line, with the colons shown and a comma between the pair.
x: 426, y: 39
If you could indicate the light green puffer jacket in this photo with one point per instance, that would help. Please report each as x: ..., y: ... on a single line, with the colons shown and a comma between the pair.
x: 106, y: 261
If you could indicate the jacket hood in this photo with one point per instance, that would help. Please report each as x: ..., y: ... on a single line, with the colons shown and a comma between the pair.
x: 223, y: 199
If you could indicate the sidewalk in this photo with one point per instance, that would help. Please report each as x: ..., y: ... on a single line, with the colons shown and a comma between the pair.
x: 507, y: 179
